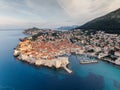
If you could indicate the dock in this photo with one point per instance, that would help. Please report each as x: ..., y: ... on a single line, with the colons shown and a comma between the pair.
x: 88, y: 61
x: 68, y: 70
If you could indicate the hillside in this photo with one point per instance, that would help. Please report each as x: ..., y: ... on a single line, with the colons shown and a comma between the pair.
x: 109, y: 23
x: 67, y: 27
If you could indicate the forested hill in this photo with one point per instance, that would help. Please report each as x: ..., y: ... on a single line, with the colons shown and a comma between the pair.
x: 109, y: 23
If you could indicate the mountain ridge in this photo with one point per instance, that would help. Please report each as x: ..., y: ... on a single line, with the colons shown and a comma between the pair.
x: 107, y: 23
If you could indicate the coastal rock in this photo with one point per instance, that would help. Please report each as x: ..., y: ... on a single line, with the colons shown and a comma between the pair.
x: 24, y: 57
x: 117, y: 61
x: 16, y: 53
x: 57, y: 63
x: 60, y: 62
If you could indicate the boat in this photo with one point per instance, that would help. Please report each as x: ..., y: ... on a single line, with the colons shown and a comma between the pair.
x: 88, y: 61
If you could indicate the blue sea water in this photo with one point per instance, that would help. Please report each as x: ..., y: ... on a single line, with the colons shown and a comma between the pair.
x: 16, y: 75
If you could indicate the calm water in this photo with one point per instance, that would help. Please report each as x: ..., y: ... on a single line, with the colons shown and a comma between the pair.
x: 16, y: 75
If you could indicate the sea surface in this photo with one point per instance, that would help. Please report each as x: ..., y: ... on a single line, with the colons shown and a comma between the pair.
x: 16, y: 75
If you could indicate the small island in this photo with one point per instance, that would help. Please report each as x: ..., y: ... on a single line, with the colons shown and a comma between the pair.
x: 51, y: 48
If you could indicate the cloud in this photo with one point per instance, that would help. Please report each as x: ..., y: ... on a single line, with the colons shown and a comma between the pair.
x: 85, y: 10
x: 32, y: 11
x: 53, y: 12
x: 17, y: 9
x: 48, y: 9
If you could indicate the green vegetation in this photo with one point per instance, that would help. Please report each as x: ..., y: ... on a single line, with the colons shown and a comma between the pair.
x: 109, y: 23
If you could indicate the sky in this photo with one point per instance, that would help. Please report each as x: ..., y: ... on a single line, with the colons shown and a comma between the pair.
x: 52, y: 13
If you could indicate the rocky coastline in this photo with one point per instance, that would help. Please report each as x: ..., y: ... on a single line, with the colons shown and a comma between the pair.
x: 47, y: 47
x: 42, y: 50
x: 60, y: 62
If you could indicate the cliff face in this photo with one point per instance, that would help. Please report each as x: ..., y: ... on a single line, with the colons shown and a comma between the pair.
x: 60, y: 62
x: 57, y: 63
x: 109, y: 23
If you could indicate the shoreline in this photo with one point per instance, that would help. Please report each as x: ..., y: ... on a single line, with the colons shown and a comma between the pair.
x: 60, y: 62
x: 105, y: 60
x: 37, y: 64
x: 45, y: 47
x: 44, y: 63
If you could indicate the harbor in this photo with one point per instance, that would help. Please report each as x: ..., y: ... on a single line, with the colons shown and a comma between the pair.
x: 88, y: 61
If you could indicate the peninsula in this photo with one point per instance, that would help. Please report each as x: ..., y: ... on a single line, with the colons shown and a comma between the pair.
x: 46, y: 48
x: 51, y: 47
